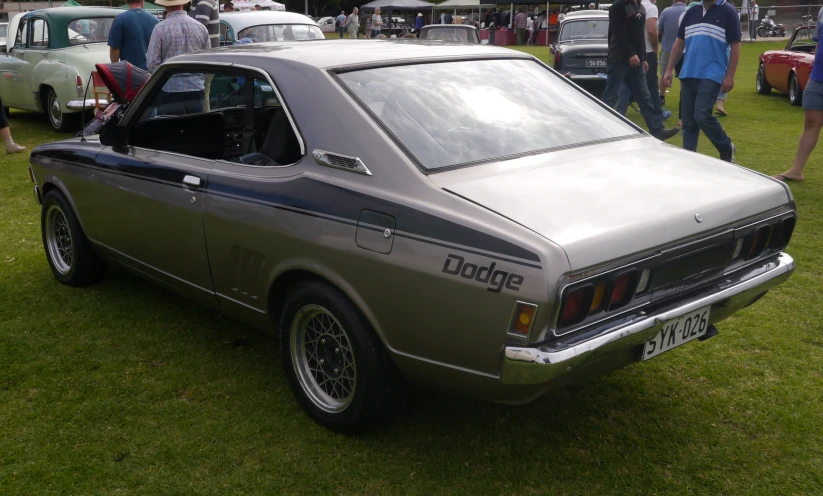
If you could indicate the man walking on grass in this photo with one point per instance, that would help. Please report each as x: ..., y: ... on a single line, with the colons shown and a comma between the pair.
x: 353, y: 23
x: 341, y: 23
x: 520, y: 23
x: 667, y: 26
x: 710, y: 34
x: 627, y: 65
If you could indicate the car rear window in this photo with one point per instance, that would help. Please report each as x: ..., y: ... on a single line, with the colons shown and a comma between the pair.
x: 90, y: 30
x: 589, y: 29
x: 281, y: 32
x: 448, y: 34
x: 456, y: 113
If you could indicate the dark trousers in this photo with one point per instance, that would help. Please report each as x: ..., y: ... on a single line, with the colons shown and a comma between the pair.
x: 341, y: 30
x: 180, y: 103
x: 620, y: 73
x: 753, y: 29
x: 697, y: 99
x: 4, y: 123
x: 624, y: 96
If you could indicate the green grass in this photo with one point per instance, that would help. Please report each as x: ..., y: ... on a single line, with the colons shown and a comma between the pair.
x: 123, y: 388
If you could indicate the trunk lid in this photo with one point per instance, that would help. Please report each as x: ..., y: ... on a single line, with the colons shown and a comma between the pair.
x: 575, y: 54
x: 605, y: 202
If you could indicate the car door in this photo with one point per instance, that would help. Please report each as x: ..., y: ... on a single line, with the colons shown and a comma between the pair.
x: 150, y: 188
x: 16, y: 80
x: 802, y: 58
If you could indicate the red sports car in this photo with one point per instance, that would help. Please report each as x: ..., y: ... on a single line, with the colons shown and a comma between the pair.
x: 788, y: 70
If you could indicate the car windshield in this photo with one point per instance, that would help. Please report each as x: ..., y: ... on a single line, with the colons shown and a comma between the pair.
x: 281, y: 32
x: 454, y: 113
x: 448, y: 34
x: 589, y: 29
x: 90, y: 30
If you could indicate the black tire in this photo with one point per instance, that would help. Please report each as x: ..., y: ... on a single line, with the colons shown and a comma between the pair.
x: 59, y: 120
x: 762, y: 33
x: 69, y: 252
x: 344, y: 342
x: 762, y: 85
x: 795, y: 93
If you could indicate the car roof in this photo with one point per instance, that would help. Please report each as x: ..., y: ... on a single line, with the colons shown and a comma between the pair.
x: 243, y: 20
x: 450, y: 26
x: 75, y: 12
x: 330, y: 54
x: 583, y: 14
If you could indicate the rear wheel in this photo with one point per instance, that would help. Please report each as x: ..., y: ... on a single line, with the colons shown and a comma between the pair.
x: 59, y: 120
x: 336, y: 366
x: 795, y: 93
x: 70, y: 255
x: 762, y: 33
x: 761, y: 84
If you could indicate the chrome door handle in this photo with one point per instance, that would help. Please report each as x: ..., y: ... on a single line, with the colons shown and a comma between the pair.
x: 191, y: 181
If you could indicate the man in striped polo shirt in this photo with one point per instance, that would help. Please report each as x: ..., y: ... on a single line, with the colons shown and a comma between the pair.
x: 207, y: 13
x: 710, y: 34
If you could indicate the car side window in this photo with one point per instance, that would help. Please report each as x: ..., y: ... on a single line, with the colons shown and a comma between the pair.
x: 39, y: 35
x: 803, y: 40
x: 22, y: 32
x: 217, y: 113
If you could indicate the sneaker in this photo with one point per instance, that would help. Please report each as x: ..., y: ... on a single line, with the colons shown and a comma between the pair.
x: 729, y: 157
x: 14, y: 148
x: 667, y: 133
x: 666, y: 114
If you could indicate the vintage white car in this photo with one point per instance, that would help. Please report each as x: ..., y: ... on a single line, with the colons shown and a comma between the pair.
x: 48, y: 61
x: 261, y: 26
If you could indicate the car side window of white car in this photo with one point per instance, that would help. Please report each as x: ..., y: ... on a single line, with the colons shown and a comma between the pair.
x: 22, y: 33
x: 39, y: 34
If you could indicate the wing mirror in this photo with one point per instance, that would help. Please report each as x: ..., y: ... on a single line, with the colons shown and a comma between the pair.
x: 114, y: 135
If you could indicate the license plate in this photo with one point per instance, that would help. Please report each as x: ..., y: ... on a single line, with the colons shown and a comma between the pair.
x: 678, y: 331
x: 595, y: 63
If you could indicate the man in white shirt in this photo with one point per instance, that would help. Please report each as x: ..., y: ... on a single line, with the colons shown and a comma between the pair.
x: 624, y: 96
x: 754, y: 16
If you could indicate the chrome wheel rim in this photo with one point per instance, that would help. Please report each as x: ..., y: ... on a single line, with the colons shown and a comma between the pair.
x: 58, y: 240
x: 793, y: 89
x: 323, y: 359
x: 55, y: 114
x: 759, y: 80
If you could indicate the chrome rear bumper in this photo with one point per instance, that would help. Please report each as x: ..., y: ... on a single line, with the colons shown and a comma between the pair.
x: 541, y: 364
x: 88, y: 104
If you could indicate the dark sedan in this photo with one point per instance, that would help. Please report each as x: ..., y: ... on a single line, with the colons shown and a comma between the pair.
x: 582, y: 45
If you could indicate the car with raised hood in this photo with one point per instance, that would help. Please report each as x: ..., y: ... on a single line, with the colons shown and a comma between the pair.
x: 48, y: 59
x: 788, y: 70
x: 528, y: 238
x: 263, y: 26
x: 582, y: 46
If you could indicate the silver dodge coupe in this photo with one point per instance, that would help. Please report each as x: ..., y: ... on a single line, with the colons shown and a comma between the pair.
x: 464, y: 218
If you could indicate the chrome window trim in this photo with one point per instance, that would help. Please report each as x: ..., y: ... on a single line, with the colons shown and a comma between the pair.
x: 138, y: 102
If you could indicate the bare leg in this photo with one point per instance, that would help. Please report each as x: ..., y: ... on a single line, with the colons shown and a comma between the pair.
x: 808, y: 140
x: 5, y: 133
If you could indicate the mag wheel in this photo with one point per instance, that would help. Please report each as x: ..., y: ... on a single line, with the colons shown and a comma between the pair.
x: 760, y: 83
x: 795, y: 93
x: 335, y: 364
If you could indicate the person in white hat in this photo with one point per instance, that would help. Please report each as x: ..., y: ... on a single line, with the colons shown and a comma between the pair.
x: 418, y: 23
x: 178, y: 34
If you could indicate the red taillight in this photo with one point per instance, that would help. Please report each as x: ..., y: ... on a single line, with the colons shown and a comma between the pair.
x: 79, y: 81
x: 576, y: 305
x: 783, y: 233
x: 623, y: 289
x: 759, y: 239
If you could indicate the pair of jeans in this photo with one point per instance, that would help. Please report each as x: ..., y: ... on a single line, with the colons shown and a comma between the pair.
x: 374, y: 33
x: 620, y: 73
x: 341, y: 30
x: 624, y: 96
x: 521, y: 34
x: 697, y: 99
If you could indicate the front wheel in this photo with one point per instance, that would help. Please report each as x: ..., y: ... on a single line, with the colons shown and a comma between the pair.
x: 68, y: 251
x: 761, y: 83
x: 336, y: 366
x: 762, y: 33
x: 795, y: 93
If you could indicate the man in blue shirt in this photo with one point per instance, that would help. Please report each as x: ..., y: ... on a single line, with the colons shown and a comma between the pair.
x: 341, y: 23
x: 130, y: 34
x: 710, y: 34
x: 813, y: 107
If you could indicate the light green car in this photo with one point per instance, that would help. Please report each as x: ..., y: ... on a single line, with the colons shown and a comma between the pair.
x: 48, y: 59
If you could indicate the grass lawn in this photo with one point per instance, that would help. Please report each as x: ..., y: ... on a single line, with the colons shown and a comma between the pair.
x: 123, y: 388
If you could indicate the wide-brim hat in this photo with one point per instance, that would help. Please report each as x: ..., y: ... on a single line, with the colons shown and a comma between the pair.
x: 419, y: 14
x: 171, y: 3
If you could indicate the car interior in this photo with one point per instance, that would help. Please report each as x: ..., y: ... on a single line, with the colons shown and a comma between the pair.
x: 239, y: 122
x: 803, y: 41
